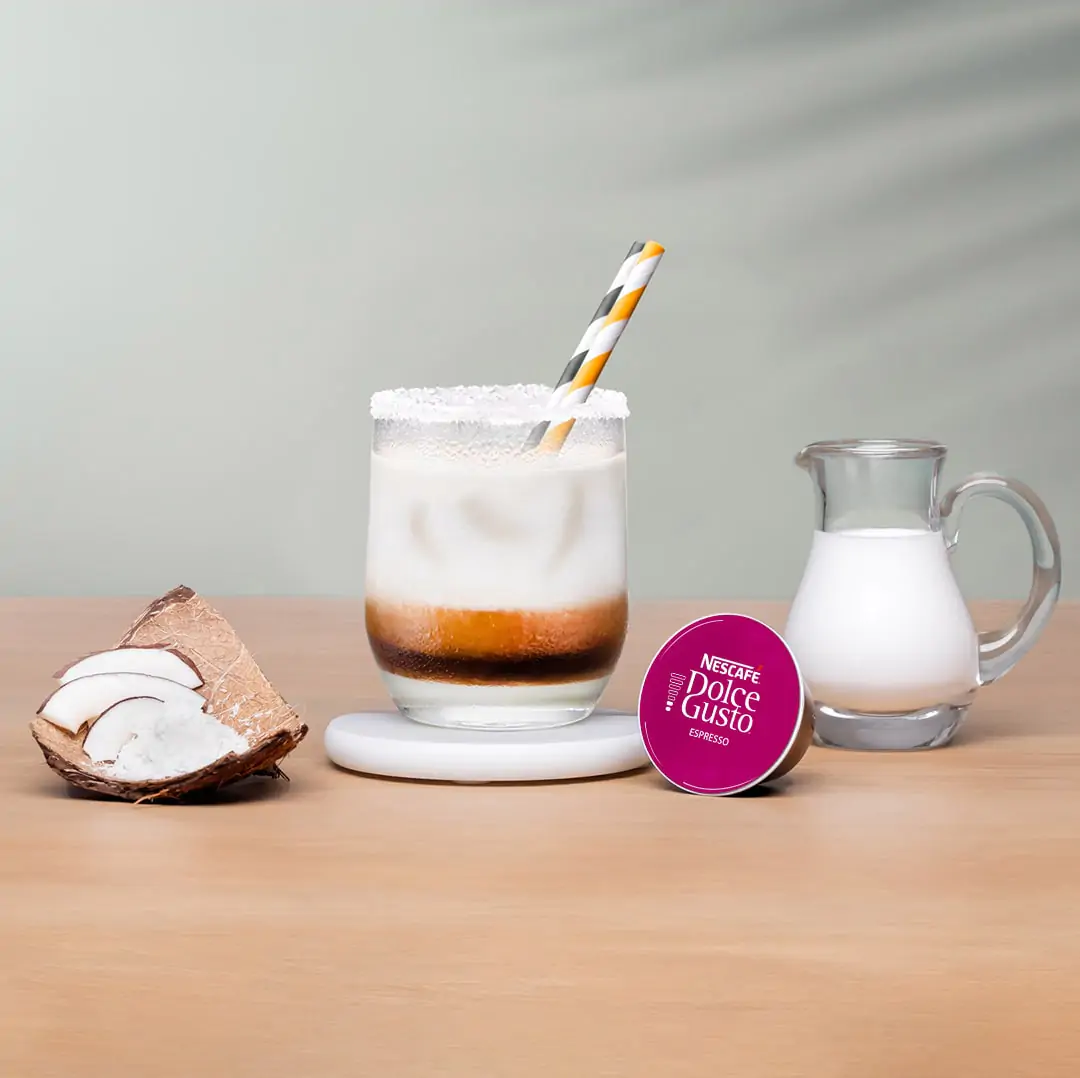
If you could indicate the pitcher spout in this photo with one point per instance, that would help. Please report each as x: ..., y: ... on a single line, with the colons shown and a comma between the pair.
x: 874, y: 483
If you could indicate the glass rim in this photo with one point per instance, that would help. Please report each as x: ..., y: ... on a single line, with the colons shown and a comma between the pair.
x: 880, y: 448
x: 491, y: 405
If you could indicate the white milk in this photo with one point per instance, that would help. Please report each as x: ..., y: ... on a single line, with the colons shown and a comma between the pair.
x: 512, y: 534
x: 879, y: 624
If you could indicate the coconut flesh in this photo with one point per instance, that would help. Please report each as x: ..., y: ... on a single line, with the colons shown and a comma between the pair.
x: 178, y: 706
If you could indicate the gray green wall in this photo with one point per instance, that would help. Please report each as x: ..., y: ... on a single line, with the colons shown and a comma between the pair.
x: 224, y: 224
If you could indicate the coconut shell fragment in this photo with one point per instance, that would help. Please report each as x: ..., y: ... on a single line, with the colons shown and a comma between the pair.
x: 237, y: 694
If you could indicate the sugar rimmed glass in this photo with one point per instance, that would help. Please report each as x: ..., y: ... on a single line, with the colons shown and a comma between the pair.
x: 496, y: 578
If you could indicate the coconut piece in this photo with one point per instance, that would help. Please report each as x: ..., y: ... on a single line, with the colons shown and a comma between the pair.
x: 118, y: 724
x: 157, y: 661
x: 178, y: 740
x: 236, y: 691
x: 84, y: 699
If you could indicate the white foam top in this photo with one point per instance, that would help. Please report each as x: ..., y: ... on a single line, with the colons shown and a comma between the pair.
x: 494, y: 405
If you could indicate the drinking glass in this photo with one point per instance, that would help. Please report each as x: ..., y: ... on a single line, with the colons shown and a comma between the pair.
x: 496, y: 574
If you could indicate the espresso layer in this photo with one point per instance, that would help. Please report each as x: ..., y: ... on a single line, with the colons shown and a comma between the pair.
x: 503, y: 647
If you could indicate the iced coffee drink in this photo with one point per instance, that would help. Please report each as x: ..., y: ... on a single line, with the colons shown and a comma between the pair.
x: 496, y: 575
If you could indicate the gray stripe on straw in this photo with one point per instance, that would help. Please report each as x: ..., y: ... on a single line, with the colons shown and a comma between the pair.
x: 536, y: 435
x: 572, y: 368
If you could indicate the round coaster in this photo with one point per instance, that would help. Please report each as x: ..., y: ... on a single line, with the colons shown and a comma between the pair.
x: 387, y: 743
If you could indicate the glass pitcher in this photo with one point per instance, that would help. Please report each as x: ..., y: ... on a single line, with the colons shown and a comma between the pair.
x: 882, y: 635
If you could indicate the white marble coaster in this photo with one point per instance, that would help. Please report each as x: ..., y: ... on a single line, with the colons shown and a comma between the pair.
x: 387, y: 743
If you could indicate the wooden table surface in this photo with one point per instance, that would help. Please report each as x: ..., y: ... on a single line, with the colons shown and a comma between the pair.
x: 902, y: 915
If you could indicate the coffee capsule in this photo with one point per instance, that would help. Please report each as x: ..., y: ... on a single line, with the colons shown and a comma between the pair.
x: 722, y: 707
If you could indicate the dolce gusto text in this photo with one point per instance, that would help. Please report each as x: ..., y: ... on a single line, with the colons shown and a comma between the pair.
x: 726, y: 700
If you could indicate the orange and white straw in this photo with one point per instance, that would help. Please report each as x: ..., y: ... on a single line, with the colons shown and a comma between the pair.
x: 603, y: 344
x: 562, y: 387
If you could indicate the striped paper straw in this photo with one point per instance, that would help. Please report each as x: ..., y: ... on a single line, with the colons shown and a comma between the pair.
x: 562, y: 387
x: 604, y: 342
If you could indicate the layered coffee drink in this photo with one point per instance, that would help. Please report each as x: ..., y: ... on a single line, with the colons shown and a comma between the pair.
x: 496, y: 577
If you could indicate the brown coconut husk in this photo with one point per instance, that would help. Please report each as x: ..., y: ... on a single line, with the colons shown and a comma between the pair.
x: 236, y: 691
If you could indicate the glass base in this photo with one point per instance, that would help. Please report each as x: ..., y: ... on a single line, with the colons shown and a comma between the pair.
x: 927, y: 728
x: 494, y: 707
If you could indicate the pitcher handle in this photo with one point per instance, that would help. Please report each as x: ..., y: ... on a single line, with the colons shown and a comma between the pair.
x: 1001, y: 649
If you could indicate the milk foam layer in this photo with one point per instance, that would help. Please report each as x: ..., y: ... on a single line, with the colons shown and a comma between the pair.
x: 516, y: 533
x: 879, y: 623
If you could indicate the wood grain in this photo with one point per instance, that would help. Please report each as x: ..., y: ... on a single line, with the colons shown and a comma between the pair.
x: 879, y: 916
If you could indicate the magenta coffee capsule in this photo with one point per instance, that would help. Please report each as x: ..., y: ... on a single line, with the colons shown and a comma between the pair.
x: 722, y: 707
